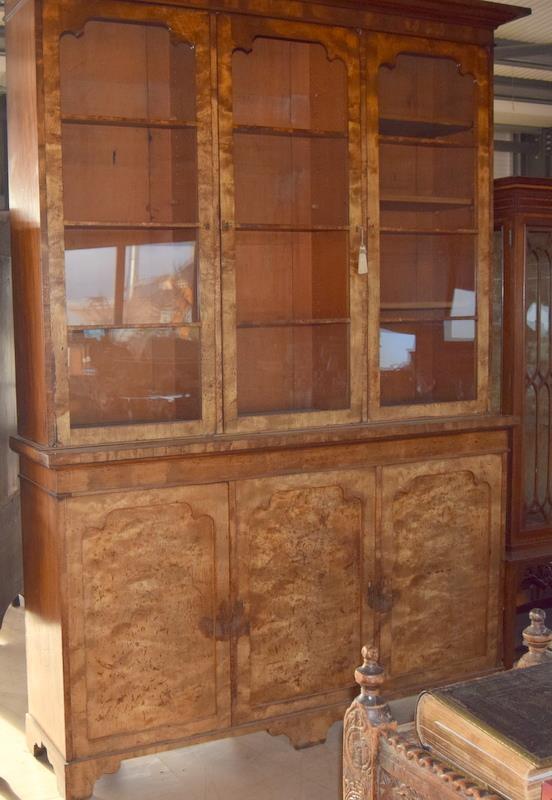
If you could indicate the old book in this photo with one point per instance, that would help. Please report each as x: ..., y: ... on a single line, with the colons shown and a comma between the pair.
x: 497, y: 729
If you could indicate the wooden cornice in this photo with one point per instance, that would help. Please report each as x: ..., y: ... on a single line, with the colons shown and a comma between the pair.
x: 469, y: 13
x: 475, y: 13
x: 531, y: 196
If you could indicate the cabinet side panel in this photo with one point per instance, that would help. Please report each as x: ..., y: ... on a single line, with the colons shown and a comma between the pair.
x: 23, y: 148
x: 42, y: 566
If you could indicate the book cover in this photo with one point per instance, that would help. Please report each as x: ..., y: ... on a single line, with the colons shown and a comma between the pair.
x: 514, y: 706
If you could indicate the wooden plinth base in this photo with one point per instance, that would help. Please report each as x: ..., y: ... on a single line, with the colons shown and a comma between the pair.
x: 76, y: 779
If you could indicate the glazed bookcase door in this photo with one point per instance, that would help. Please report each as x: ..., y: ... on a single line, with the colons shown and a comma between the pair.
x: 134, y: 249
x: 536, y: 447
x: 290, y: 206
x: 303, y: 556
x: 428, y: 221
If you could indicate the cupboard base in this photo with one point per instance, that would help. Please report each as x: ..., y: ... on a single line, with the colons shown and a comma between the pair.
x: 76, y: 779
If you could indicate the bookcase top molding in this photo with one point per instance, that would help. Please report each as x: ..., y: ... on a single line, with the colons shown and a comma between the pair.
x: 473, y: 13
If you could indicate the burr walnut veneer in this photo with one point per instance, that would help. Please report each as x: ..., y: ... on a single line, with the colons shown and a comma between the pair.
x: 251, y: 272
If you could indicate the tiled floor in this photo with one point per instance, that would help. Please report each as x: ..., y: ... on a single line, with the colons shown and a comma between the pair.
x: 253, y: 767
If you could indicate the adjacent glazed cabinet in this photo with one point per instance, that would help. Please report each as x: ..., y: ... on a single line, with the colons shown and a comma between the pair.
x: 251, y: 271
x: 523, y: 219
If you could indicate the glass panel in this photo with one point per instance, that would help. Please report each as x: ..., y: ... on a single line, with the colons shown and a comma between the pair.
x: 292, y: 368
x: 428, y: 245
x: 130, y: 184
x: 275, y: 279
x: 291, y: 171
x: 122, y: 375
x: 538, y: 378
x: 425, y: 89
x: 543, y: 447
x: 428, y: 272
x: 130, y: 277
x: 427, y: 362
x: 127, y: 70
x: 121, y: 174
x: 289, y: 84
x: 533, y: 513
x: 424, y: 187
x: 303, y: 181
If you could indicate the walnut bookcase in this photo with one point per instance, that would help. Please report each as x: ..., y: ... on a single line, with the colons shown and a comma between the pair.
x: 244, y: 448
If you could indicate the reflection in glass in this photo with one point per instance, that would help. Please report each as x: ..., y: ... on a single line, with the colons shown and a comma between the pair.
x: 133, y: 284
x: 419, y: 364
x: 90, y: 285
x: 463, y: 305
x: 396, y: 349
x: 120, y: 375
x: 428, y: 254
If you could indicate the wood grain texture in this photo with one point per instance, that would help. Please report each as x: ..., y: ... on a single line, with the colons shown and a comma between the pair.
x: 428, y: 512
x: 186, y: 26
x: 133, y: 678
x: 43, y: 564
x: 218, y: 576
x: 304, y: 549
x: 25, y: 219
x: 459, y: 20
x: 382, y: 761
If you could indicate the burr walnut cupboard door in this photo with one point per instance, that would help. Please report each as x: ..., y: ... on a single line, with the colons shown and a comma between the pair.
x: 147, y: 632
x: 289, y: 110
x: 303, y: 553
x: 442, y: 539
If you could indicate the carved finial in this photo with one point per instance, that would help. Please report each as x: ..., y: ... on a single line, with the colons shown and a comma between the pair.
x: 370, y: 677
x: 536, y: 637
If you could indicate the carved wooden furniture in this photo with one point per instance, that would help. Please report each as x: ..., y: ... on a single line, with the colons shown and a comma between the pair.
x: 537, y: 638
x: 384, y: 762
x: 245, y: 448
x: 523, y: 220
